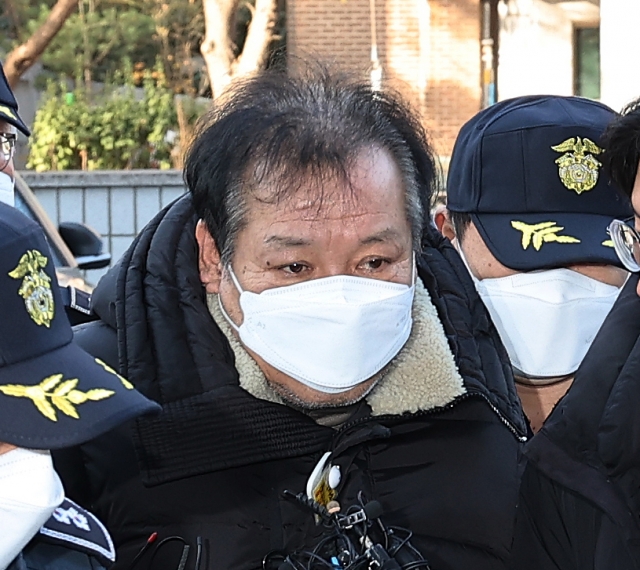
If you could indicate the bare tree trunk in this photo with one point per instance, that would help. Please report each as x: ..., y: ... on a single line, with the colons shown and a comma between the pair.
x: 217, y: 46
x: 255, y: 51
x: 25, y: 55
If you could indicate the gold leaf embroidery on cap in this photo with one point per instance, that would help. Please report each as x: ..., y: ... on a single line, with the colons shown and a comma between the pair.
x: 128, y: 385
x: 52, y: 393
x: 7, y: 111
x: 578, y: 170
x: 538, y: 234
x: 36, y: 287
x: 608, y: 243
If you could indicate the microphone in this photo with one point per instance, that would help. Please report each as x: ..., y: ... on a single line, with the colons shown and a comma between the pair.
x: 355, y: 538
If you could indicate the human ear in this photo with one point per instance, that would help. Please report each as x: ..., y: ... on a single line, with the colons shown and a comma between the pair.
x: 443, y: 222
x: 209, y: 260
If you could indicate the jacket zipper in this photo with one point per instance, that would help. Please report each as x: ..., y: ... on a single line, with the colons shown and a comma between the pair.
x: 421, y: 413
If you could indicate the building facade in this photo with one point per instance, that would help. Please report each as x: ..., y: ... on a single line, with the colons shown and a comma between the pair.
x: 428, y: 50
x: 450, y: 58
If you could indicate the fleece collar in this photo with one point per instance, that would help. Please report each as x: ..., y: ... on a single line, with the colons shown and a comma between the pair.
x: 421, y: 377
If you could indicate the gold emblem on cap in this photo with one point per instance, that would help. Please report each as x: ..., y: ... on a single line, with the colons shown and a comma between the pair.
x: 608, y: 243
x: 539, y: 234
x: 36, y: 287
x: 578, y: 169
x: 7, y: 111
x: 52, y: 393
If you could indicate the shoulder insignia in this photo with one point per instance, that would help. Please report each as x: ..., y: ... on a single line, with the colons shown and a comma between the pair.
x: 77, y: 304
x: 578, y: 168
x: 55, y: 394
x: 77, y: 528
x: 538, y: 234
x: 36, y: 287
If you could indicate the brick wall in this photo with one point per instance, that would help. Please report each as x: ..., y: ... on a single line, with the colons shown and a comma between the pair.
x: 429, y: 50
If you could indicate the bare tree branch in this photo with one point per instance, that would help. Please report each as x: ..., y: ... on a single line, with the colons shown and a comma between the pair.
x: 259, y: 36
x: 217, y: 46
x: 25, y: 55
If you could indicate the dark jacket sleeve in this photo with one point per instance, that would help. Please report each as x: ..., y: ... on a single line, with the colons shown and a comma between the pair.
x: 558, y: 529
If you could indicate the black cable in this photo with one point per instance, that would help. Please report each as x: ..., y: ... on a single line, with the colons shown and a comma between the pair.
x: 165, y: 541
x: 198, y: 552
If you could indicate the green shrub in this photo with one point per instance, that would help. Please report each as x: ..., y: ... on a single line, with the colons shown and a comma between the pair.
x: 114, y: 129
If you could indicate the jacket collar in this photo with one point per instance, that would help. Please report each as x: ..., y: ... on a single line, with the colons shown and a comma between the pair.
x: 423, y: 376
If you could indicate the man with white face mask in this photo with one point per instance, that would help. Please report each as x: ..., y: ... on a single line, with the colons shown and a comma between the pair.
x: 528, y: 207
x: 9, y: 122
x: 52, y: 395
x: 580, y: 504
x: 307, y: 330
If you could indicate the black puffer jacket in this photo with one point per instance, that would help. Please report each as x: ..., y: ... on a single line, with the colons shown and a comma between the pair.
x: 211, y: 469
x: 581, y: 487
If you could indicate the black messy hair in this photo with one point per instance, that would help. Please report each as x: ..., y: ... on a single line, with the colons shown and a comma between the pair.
x: 279, y: 128
x: 621, y: 142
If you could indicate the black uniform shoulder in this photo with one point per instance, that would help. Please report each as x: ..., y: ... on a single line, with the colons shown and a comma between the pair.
x: 77, y: 305
x: 72, y: 539
x: 75, y: 528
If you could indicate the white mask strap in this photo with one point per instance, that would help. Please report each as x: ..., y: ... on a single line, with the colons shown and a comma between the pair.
x: 414, y: 269
x: 240, y: 290
x: 235, y: 279
x: 458, y: 247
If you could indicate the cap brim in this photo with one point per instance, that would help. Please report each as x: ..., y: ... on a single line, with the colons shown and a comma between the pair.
x: 526, y: 242
x: 16, y: 121
x: 63, y: 398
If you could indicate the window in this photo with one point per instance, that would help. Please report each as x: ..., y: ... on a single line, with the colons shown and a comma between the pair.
x: 587, y: 62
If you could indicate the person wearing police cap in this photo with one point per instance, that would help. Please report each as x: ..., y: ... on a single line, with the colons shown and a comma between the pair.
x: 10, y: 123
x: 580, y: 495
x: 528, y: 207
x: 532, y: 208
x: 77, y: 303
x: 52, y: 395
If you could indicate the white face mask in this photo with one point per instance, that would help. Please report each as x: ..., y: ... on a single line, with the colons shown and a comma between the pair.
x: 7, y: 189
x: 30, y: 490
x: 547, y: 319
x: 330, y: 334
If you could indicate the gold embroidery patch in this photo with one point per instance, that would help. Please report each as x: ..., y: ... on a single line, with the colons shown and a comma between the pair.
x: 36, y: 287
x: 578, y: 170
x: 608, y: 243
x: 538, y: 234
x: 52, y: 393
x: 128, y: 385
x: 9, y: 112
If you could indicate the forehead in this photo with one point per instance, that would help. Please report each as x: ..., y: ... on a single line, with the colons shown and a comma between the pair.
x: 373, y: 179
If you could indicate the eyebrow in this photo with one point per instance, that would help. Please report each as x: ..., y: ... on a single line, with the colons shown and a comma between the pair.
x: 286, y: 241
x: 290, y: 241
x: 385, y: 235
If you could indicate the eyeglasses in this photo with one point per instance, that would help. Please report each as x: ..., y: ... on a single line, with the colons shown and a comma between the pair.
x: 7, y: 147
x: 626, y: 241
